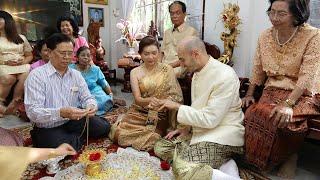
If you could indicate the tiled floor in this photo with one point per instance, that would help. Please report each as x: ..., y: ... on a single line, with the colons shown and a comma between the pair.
x: 309, y: 156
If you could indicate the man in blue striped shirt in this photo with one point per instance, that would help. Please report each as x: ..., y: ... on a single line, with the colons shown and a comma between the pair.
x: 58, y: 100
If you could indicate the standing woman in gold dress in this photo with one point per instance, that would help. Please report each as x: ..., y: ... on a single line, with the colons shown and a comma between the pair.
x: 287, y: 65
x: 15, y: 56
x: 151, y: 83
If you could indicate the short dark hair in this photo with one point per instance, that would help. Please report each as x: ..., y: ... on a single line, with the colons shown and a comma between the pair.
x: 182, y: 4
x: 147, y: 41
x: 10, y: 28
x: 73, y: 23
x: 298, y: 8
x: 56, y: 39
x: 38, y: 47
x: 82, y: 48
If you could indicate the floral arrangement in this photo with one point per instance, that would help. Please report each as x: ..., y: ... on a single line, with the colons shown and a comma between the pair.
x: 92, y: 156
x: 231, y: 20
x: 92, y: 159
x: 130, y: 32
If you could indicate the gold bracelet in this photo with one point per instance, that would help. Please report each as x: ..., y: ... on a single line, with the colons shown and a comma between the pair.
x: 52, y: 154
x: 289, y: 103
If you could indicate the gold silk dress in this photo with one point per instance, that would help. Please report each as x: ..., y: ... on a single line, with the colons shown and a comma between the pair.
x: 134, y: 128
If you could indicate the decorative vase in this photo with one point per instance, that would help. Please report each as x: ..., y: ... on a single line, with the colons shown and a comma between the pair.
x: 131, y: 51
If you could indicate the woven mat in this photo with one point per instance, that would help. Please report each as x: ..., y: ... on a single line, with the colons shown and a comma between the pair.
x: 37, y: 170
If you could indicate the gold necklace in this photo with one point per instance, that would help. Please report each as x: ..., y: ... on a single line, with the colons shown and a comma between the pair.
x: 280, y: 55
x: 292, y: 35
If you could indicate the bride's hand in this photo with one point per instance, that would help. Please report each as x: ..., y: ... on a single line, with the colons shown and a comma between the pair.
x: 154, y: 103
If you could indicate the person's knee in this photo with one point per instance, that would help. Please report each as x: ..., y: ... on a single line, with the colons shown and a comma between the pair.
x: 105, y: 128
x: 8, y: 80
x: 101, y: 127
x: 23, y: 76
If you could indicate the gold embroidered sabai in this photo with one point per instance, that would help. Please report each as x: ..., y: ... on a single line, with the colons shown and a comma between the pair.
x: 141, y: 127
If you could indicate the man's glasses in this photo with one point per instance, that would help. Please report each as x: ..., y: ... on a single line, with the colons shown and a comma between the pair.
x: 65, y: 53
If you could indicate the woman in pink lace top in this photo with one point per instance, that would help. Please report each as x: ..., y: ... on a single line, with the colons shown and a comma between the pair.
x: 287, y: 65
x: 69, y: 27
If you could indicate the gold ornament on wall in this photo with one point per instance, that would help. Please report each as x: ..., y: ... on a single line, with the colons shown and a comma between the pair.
x: 231, y: 20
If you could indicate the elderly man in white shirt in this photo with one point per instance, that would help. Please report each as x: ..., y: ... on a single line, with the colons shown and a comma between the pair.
x: 58, y: 100
x: 175, y: 34
x: 215, y: 117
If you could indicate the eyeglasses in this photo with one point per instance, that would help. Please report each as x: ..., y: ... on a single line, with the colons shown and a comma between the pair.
x: 279, y: 14
x: 65, y: 53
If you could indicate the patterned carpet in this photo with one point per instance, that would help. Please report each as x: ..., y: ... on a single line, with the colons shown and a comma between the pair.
x: 37, y: 170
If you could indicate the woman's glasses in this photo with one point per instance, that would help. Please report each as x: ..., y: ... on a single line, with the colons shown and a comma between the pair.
x: 279, y: 14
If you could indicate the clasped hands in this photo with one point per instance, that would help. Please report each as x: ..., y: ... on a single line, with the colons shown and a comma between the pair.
x: 161, y: 104
x: 17, y: 62
x: 77, y: 113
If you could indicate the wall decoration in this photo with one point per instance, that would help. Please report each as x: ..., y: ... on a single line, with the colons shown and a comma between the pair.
x: 104, y: 2
x: 231, y: 20
x: 76, y: 10
x: 96, y: 15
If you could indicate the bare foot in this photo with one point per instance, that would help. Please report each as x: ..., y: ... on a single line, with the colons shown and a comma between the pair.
x: 288, y: 168
x: 12, y: 107
x: 2, y: 110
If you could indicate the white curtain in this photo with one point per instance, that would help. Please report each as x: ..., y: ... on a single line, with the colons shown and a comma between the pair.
x: 127, y: 8
x: 315, y: 13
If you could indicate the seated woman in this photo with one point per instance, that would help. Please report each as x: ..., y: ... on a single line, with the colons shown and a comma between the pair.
x: 287, y: 64
x: 95, y: 80
x: 69, y: 27
x: 42, y: 52
x: 15, y: 56
x: 151, y: 83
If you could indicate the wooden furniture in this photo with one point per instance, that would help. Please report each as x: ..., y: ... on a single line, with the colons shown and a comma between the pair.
x: 99, y: 53
x: 212, y: 50
x: 128, y: 62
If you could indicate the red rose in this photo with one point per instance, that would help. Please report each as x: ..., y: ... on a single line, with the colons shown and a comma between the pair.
x: 94, y: 156
x: 164, y: 165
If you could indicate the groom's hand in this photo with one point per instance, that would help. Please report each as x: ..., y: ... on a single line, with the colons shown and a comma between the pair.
x: 177, y: 133
x: 170, y: 105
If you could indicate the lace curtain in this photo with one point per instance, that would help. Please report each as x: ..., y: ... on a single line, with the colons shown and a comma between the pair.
x: 315, y: 13
x: 127, y: 8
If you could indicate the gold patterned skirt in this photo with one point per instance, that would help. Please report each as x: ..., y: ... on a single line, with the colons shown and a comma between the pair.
x: 132, y: 129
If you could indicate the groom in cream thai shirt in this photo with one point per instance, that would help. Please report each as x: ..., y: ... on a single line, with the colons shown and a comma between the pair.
x: 215, y: 115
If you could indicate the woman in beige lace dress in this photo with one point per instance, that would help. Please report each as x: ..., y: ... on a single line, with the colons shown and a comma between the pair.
x: 287, y: 64
x: 15, y: 56
x: 151, y: 83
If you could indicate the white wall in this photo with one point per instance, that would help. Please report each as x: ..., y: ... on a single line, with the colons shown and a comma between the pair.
x: 254, y: 21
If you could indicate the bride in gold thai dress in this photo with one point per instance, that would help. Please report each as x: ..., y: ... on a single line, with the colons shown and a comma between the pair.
x: 151, y: 83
